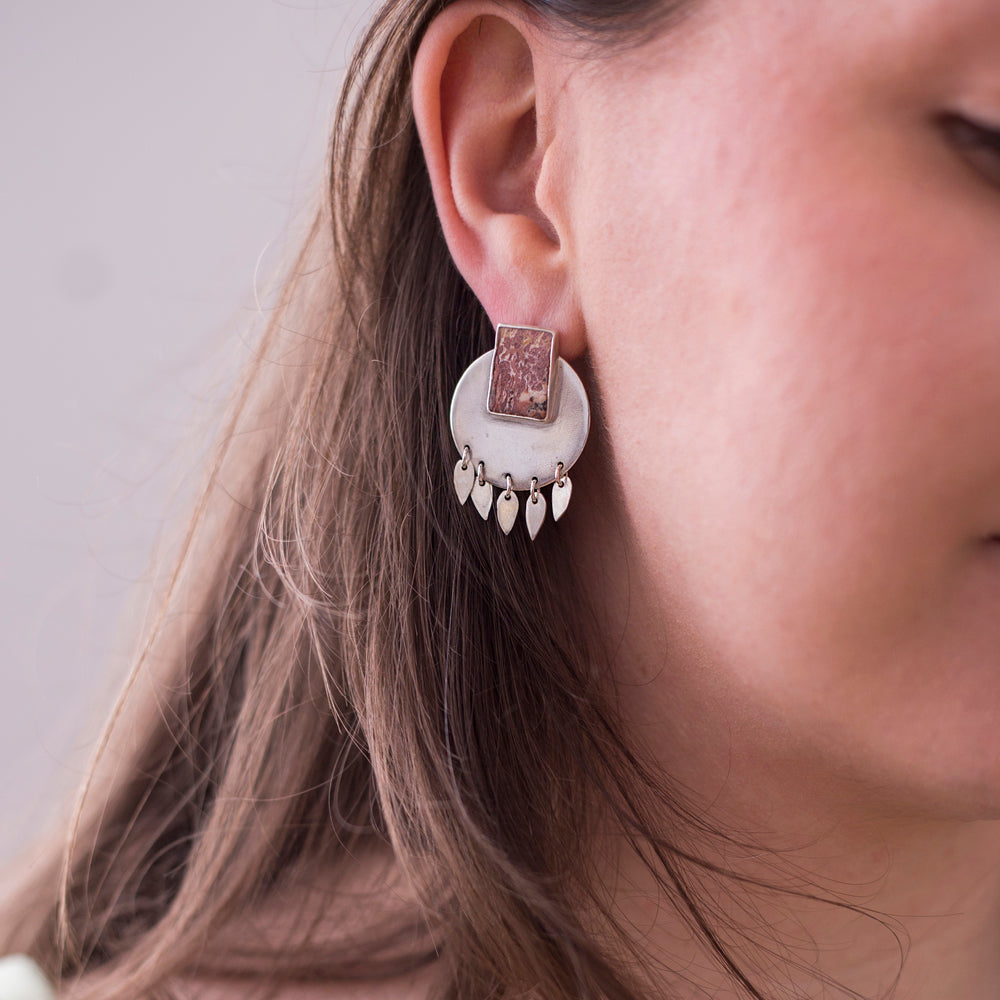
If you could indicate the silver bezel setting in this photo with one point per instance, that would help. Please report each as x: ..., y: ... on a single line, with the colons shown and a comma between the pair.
x: 553, y: 388
x: 524, y: 449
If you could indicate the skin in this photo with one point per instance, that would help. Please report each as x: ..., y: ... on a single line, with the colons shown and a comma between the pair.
x: 780, y: 276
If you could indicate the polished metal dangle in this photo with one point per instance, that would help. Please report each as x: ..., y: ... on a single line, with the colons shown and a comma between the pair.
x: 562, y: 490
x: 534, y: 511
x: 482, y: 493
x: 507, y: 507
x: 465, y: 475
x: 520, y: 418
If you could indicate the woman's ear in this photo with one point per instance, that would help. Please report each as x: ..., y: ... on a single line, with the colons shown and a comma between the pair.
x: 485, y: 112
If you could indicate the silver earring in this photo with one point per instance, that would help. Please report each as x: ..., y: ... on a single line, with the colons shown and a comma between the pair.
x: 519, y: 418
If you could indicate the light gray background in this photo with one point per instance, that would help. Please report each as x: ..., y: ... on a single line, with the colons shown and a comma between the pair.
x: 155, y: 155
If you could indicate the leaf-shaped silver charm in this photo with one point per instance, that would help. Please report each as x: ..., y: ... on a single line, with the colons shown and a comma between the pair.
x: 464, y: 478
x: 534, y: 513
x: 560, y: 497
x: 507, y: 507
x: 482, y: 497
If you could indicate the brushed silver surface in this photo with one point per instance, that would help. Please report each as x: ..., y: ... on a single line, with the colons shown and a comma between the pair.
x: 521, y: 448
x: 482, y: 497
x: 561, y: 497
x: 507, y: 505
x: 464, y: 478
x: 534, y: 514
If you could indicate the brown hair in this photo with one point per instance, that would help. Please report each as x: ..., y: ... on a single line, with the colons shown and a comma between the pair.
x: 347, y: 664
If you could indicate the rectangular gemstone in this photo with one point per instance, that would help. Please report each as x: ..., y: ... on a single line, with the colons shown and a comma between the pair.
x: 521, y: 377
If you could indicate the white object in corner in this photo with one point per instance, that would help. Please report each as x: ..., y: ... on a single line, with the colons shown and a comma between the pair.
x: 21, y: 979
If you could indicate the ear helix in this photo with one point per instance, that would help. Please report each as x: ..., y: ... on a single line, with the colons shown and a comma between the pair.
x: 519, y: 419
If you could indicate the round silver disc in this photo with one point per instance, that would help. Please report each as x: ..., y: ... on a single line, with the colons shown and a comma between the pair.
x: 523, y: 448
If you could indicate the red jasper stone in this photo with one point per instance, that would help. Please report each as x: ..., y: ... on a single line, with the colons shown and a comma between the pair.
x: 522, y: 372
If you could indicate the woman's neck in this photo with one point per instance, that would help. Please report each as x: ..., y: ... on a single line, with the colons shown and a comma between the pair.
x: 916, y: 867
x: 920, y: 903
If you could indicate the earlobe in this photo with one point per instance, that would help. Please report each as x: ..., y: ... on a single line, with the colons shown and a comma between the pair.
x: 478, y: 98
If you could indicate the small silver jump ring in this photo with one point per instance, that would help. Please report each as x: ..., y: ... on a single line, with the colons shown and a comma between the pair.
x: 481, y: 472
x: 506, y: 496
x: 466, y: 456
x: 560, y: 481
x: 534, y: 489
